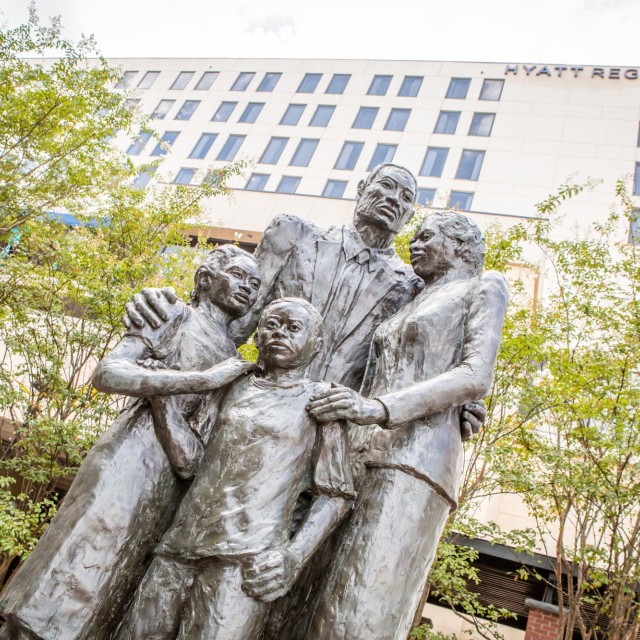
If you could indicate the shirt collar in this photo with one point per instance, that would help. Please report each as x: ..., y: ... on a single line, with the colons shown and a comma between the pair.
x: 352, y: 245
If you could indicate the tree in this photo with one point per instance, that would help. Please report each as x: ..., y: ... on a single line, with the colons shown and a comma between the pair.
x: 63, y: 289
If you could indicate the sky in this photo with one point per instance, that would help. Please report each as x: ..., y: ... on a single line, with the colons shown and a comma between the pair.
x: 587, y: 32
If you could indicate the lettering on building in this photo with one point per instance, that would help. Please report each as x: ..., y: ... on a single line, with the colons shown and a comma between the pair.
x: 560, y: 71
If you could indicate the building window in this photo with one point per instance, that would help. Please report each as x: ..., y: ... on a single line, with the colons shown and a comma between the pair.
x: 126, y: 79
x: 365, y: 118
x: 334, y: 189
x: 251, y: 112
x: 143, y: 178
x: 184, y: 176
x: 383, y: 153
x: 397, y: 119
x: 309, y: 82
x: 257, y: 182
x: 269, y: 82
x: 139, y: 143
x: 132, y: 103
x: 163, y: 108
x: 292, y: 114
x: 410, y: 86
x: 481, y: 124
x: 470, y: 165
x: 288, y: 184
x: 338, y: 83
x: 273, y: 150
x: 425, y: 197
x: 447, y: 122
x: 230, y: 148
x: 183, y: 79
x: 349, y: 155
x: 304, y: 152
x: 491, y: 89
x: 224, y: 111
x: 322, y: 115
x: 458, y: 88
x: 461, y: 200
x: 379, y: 86
x: 206, y: 80
x: 242, y: 81
x: 148, y: 79
x: 433, y: 162
x: 203, y: 145
x: 187, y: 109
x: 165, y: 144
x: 636, y: 180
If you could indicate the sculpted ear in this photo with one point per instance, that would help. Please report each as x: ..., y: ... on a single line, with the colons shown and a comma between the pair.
x: 317, y: 345
x: 204, y: 281
x: 361, y: 186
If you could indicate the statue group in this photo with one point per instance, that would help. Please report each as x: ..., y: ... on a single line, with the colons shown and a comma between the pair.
x: 301, y: 497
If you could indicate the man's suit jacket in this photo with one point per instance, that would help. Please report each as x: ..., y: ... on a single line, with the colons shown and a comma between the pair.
x: 299, y: 259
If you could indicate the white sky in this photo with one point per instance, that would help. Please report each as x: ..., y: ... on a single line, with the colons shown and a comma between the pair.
x: 587, y: 32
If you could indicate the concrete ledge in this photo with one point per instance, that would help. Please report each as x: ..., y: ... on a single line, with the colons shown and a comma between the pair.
x: 530, y: 603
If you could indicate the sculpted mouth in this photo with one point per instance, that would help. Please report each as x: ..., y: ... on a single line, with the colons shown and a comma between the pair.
x: 241, y: 297
x: 277, y: 345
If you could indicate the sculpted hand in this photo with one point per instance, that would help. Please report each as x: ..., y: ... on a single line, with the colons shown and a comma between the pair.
x: 343, y: 403
x: 473, y: 416
x: 149, y: 307
x: 222, y: 374
x: 267, y: 576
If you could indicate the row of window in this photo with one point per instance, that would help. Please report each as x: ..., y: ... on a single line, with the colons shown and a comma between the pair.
x: 458, y: 87
x: 447, y: 123
x: 332, y: 189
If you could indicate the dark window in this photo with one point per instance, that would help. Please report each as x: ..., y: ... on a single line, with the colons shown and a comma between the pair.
x: 461, y: 200
x: 183, y: 79
x: 338, y: 83
x: 458, y: 88
x: 269, y: 82
x: 410, y: 86
x: 257, y: 182
x: 322, y: 115
x: 224, y: 111
x: 636, y: 180
x: 481, y: 124
x: 126, y: 80
x: 206, y: 80
x: 433, y: 162
x: 334, y: 189
x: 292, y: 114
x: 383, y: 153
x: 163, y: 108
x: 470, y: 165
x: 242, y: 81
x: 447, y: 122
x: 491, y: 89
x: 184, y: 176
x: 304, y: 152
x: 251, y: 112
x: 167, y: 140
x: 349, y: 155
x: 148, y: 79
x: 365, y: 118
x: 187, y: 109
x: 273, y: 150
x: 425, y: 197
x: 139, y: 143
x: 397, y: 119
x: 309, y: 82
x: 288, y: 184
x: 203, y: 145
x: 230, y: 148
x: 379, y: 85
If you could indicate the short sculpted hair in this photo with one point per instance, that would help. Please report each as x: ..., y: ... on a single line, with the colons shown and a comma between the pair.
x: 471, y: 245
x: 213, y: 262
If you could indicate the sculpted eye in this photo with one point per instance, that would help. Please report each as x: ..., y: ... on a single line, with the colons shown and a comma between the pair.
x: 236, y: 274
x: 254, y: 285
x: 295, y: 328
x: 387, y: 184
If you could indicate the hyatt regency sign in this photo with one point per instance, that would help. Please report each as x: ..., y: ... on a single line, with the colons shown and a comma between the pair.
x: 611, y: 73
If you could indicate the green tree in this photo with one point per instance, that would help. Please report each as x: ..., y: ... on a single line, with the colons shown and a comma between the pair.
x: 63, y: 289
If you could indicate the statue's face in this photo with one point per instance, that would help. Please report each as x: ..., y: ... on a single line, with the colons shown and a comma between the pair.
x: 387, y: 201
x: 286, y: 335
x: 234, y: 288
x: 432, y: 252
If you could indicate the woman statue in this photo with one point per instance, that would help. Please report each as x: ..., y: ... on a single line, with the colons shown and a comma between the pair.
x: 77, y: 582
x: 434, y: 355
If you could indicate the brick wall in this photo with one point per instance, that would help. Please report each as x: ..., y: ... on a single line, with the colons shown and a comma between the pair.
x: 542, y: 621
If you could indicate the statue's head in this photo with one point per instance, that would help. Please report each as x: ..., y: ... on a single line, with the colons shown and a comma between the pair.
x: 386, y: 198
x: 446, y: 241
x: 229, y: 277
x: 289, y: 333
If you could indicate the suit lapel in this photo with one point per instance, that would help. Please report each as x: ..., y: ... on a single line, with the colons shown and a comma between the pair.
x: 325, y: 271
